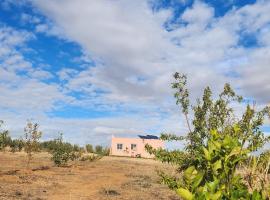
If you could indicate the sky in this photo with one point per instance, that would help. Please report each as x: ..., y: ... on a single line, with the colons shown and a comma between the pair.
x: 91, y: 69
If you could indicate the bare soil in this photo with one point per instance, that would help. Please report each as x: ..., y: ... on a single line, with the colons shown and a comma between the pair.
x: 108, y: 178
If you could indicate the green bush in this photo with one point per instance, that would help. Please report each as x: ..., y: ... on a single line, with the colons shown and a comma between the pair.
x: 61, y: 153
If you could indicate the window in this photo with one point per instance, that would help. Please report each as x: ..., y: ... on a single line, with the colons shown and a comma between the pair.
x: 119, y: 146
x: 134, y: 147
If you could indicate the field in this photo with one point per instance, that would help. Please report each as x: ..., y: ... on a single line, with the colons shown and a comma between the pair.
x: 108, y: 178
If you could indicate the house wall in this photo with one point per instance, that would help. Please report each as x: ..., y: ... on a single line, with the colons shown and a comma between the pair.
x: 126, y: 150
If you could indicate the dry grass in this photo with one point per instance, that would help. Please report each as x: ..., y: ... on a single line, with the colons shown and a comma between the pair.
x: 108, y: 178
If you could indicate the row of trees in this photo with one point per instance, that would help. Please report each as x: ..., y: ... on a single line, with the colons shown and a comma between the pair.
x: 222, y: 158
x: 61, y: 151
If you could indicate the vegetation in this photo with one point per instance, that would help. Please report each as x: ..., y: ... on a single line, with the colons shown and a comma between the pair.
x: 5, y: 139
x: 219, y: 160
x: 32, y: 136
x: 61, y: 151
x: 89, y: 148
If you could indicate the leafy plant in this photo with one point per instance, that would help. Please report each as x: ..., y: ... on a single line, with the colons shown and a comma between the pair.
x: 217, y: 145
x: 61, y: 152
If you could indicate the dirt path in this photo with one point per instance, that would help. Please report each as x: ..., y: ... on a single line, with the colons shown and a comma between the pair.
x: 108, y: 178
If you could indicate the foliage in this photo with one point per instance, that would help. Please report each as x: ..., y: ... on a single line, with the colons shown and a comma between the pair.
x: 217, y: 145
x: 91, y: 158
x: 5, y: 139
x: 16, y: 145
x: 98, y: 149
x: 89, y: 148
x: 61, y: 152
x: 32, y: 136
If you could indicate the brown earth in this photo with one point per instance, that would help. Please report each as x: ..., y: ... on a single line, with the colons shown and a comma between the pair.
x: 108, y: 178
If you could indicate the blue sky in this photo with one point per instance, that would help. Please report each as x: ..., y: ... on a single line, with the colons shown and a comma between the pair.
x: 93, y: 69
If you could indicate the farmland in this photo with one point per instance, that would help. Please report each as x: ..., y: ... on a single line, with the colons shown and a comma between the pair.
x: 107, y: 178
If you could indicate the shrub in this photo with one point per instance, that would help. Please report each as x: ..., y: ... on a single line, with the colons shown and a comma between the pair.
x: 91, y: 158
x: 217, y: 145
x: 61, y: 152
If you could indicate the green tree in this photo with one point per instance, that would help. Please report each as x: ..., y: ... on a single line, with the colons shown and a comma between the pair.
x: 16, y: 145
x: 5, y: 139
x: 216, y: 144
x: 98, y: 149
x: 32, y: 136
x: 89, y: 148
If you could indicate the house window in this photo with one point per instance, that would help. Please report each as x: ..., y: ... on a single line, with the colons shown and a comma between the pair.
x: 133, y: 147
x: 119, y: 146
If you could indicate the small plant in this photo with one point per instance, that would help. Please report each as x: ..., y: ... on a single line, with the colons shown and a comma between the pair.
x: 32, y: 136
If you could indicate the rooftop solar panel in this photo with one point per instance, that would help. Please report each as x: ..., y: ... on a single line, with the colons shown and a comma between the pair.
x: 153, y: 137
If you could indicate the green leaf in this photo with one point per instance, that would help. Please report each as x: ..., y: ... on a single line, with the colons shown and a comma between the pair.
x: 190, y: 173
x: 197, y: 180
x: 216, y: 196
x: 206, y: 154
x: 217, y: 165
x: 185, y: 194
x: 212, y: 186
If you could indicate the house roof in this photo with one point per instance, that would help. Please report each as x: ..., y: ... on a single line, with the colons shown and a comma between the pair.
x: 153, y: 137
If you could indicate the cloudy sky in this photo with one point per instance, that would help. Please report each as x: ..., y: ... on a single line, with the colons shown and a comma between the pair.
x: 93, y: 68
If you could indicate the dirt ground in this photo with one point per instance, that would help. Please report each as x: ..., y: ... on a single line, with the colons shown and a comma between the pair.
x: 108, y: 178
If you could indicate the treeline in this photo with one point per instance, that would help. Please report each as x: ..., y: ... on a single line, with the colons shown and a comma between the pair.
x: 61, y: 151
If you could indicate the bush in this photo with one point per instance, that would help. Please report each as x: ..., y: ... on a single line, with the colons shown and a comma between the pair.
x: 61, y: 152
x: 90, y: 158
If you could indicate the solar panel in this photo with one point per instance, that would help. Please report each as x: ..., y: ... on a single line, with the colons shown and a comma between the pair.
x: 153, y: 137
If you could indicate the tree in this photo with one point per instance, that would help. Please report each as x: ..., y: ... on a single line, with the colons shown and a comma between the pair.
x: 5, y: 139
x: 32, y: 136
x: 217, y: 144
x: 98, y: 149
x: 89, y: 148
x: 16, y: 145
